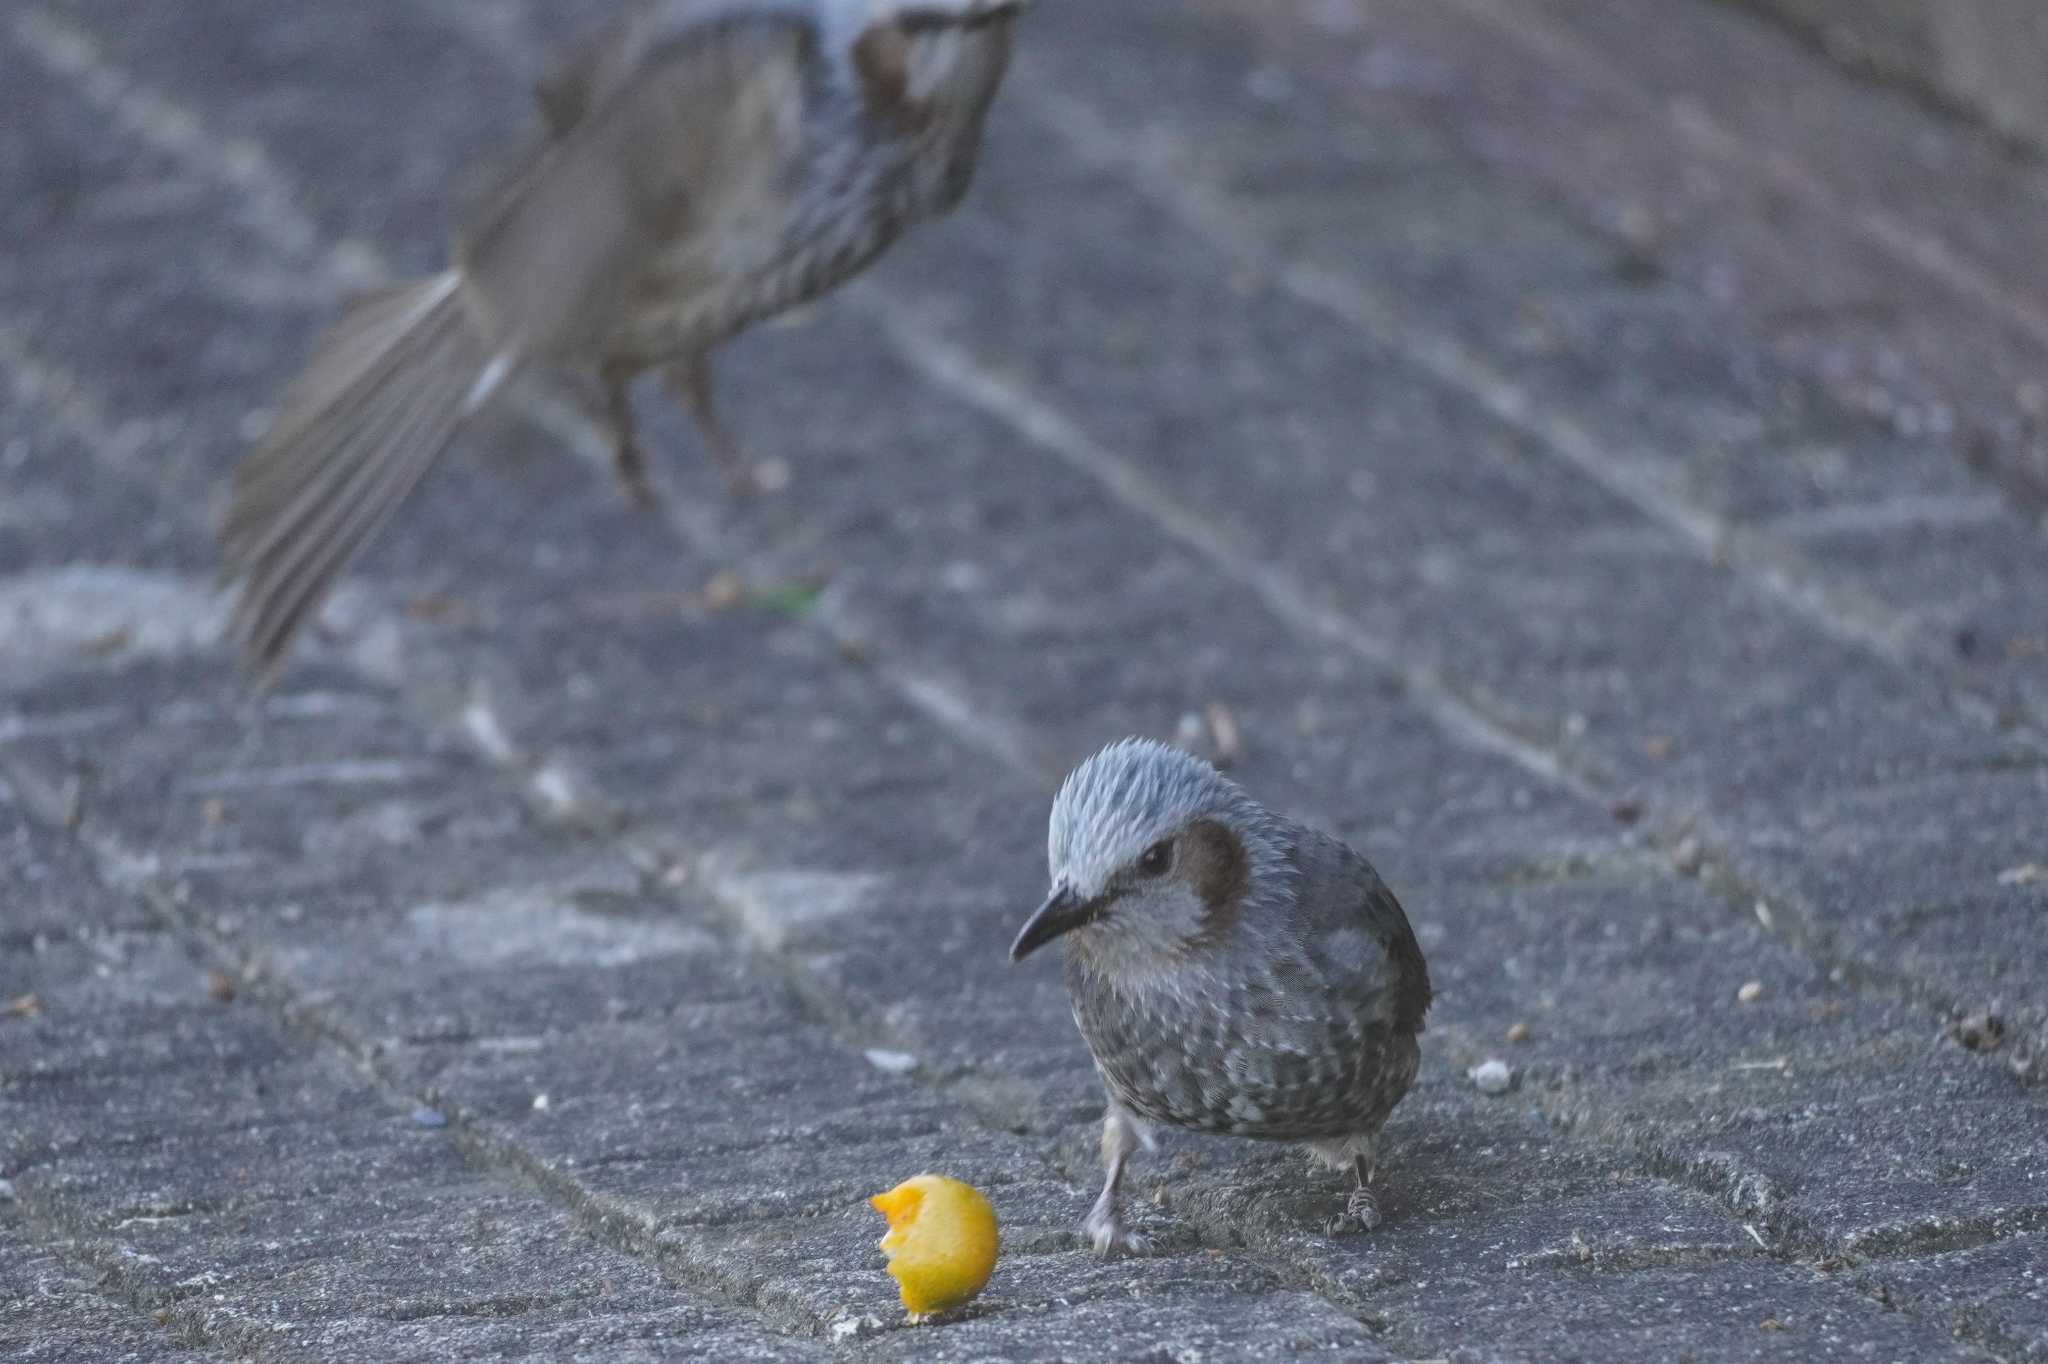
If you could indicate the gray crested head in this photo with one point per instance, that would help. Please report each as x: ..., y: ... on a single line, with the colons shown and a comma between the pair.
x: 1152, y: 851
x: 1123, y: 800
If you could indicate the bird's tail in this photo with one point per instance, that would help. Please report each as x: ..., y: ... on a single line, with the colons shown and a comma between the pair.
x: 384, y: 393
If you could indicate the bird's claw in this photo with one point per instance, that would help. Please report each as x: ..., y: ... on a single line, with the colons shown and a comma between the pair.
x: 1107, y: 1234
x: 1361, y: 1213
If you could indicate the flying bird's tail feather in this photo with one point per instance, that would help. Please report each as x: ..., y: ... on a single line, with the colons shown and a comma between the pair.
x: 383, y: 396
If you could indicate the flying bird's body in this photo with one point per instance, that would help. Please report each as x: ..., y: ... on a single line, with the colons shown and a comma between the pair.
x: 1231, y: 971
x: 704, y: 164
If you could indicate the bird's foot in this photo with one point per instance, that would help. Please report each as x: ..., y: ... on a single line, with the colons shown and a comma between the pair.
x: 1361, y: 1213
x: 631, y: 467
x: 1107, y: 1233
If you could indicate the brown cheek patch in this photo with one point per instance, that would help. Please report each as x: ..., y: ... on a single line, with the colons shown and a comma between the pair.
x: 1213, y: 861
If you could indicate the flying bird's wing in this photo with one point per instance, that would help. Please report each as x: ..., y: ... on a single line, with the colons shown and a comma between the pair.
x: 595, y: 70
x: 665, y: 133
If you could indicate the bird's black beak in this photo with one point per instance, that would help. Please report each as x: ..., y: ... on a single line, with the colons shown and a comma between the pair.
x: 1062, y: 912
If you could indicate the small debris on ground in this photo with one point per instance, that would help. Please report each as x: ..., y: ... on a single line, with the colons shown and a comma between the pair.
x: 893, y: 1062
x: 724, y: 591
x: 1627, y: 810
x: 214, y: 811
x: 2030, y: 874
x: 1687, y: 856
x: 24, y: 1006
x: 439, y: 609
x: 856, y: 1328
x: 1751, y: 992
x: 220, y: 987
x: 424, y: 1116
x: 793, y: 598
x: 1492, y: 1076
x: 1980, y: 1031
x: 1518, y: 1032
x: 540, y: 1103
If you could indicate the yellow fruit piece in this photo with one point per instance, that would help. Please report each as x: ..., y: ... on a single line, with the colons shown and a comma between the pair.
x: 941, y: 1242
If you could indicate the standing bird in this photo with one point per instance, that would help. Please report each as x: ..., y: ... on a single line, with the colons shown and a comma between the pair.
x: 1232, y: 971
x: 704, y: 164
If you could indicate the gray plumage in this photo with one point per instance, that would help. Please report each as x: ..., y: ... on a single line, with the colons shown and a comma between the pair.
x: 1231, y: 971
x: 704, y: 164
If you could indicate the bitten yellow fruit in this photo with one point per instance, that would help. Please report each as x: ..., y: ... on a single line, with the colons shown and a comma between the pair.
x: 941, y: 1242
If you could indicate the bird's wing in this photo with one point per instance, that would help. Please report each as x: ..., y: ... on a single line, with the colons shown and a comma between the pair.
x: 1359, y: 932
x: 670, y: 128
x: 598, y: 67
x: 1389, y: 924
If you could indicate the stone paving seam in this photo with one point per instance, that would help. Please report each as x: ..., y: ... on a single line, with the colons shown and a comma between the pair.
x: 114, y: 1281
x: 1923, y: 252
x: 1775, y: 570
x: 118, y: 866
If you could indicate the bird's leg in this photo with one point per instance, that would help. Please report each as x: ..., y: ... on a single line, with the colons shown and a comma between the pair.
x: 1361, y: 1208
x: 627, y: 459
x: 691, y: 381
x: 1120, y: 1137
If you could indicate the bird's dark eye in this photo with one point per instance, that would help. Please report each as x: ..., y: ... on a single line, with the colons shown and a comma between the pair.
x: 1156, y: 859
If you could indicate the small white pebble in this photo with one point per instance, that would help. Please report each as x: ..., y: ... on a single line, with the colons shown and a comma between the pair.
x: 1750, y: 993
x: 540, y: 1103
x: 1492, y: 1076
x: 895, y: 1062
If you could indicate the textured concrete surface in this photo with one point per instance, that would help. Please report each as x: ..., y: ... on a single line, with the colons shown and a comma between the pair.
x: 1591, y: 463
